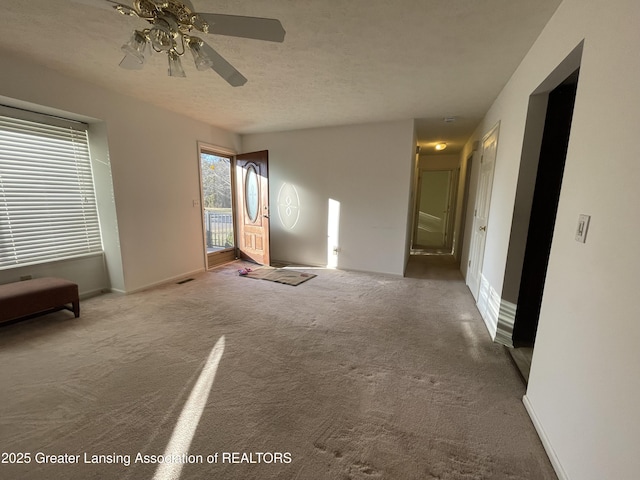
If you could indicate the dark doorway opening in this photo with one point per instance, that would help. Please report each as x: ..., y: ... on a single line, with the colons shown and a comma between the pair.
x: 553, y: 152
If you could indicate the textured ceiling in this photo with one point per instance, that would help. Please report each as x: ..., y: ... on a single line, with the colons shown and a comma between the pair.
x: 341, y: 62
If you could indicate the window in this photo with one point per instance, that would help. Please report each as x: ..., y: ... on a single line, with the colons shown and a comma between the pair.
x: 47, y: 201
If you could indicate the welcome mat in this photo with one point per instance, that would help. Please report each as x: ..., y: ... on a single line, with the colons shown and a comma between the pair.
x: 279, y: 275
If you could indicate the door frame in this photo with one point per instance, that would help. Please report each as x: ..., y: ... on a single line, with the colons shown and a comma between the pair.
x: 465, y: 173
x: 214, y: 259
x: 449, y: 227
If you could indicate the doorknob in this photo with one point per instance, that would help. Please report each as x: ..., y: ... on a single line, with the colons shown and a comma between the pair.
x: 483, y: 228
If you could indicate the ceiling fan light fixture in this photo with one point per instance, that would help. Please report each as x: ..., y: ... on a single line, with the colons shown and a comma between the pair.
x: 124, y: 10
x: 161, y: 36
x: 199, y: 23
x: 172, y: 22
x: 201, y: 59
x: 129, y: 62
x: 175, y: 65
x: 137, y: 46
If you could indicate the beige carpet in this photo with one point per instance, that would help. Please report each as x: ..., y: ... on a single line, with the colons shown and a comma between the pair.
x: 350, y: 376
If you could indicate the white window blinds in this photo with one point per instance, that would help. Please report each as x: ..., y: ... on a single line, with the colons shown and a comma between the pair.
x: 47, y: 200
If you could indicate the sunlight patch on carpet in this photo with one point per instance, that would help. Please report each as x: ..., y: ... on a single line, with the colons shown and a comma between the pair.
x: 189, y: 419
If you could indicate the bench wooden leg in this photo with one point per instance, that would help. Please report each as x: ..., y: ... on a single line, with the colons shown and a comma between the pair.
x: 76, y: 308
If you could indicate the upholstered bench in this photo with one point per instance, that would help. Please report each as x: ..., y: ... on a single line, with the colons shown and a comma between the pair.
x: 20, y: 299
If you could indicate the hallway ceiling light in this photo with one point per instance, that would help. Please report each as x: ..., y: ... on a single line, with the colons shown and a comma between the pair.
x: 441, y: 146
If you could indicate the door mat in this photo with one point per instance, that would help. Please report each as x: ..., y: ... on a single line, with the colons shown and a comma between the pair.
x: 279, y: 275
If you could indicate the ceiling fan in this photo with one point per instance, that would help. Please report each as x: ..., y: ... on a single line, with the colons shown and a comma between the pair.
x: 172, y: 23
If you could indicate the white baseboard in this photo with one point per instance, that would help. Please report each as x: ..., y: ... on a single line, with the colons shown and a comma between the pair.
x: 488, y: 305
x: 166, y: 280
x: 506, y: 322
x: 555, y: 461
x: 498, y: 315
x: 92, y: 293
x: 493, y: 308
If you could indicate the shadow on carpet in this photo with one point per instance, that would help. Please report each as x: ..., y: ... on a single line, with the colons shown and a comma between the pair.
x: 278, y: 275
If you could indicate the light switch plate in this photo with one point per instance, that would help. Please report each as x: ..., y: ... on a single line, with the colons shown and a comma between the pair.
x: 583, y: 226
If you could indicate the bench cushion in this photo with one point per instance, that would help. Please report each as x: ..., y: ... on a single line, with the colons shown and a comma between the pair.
x: 19, y: 299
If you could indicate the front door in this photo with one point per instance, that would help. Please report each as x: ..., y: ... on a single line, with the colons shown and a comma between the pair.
x: 481, y: 213
x: 252, y: 194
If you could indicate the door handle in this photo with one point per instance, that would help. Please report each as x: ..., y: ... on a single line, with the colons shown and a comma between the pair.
x: 483, y: 228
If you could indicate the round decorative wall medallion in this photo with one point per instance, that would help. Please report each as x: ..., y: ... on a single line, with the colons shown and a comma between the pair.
x: 288, y: 206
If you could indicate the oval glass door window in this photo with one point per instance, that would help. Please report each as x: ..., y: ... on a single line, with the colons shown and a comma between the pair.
x: 251, y: 193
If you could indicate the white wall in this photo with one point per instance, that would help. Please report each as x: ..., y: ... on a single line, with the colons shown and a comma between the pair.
x: 153, y: 158
x: 584, y: 385
x: 367, y: 168
x: 90, y: 273
x: 103, y: 182
x: 438, y: 162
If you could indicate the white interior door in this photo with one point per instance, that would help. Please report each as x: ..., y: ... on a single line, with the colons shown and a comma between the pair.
x: 481, y: 212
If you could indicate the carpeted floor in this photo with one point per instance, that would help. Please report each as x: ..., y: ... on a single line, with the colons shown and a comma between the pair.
x: 349, y: 376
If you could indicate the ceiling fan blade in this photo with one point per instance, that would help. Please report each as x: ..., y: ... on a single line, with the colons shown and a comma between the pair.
x: 268, y: 29
x: 223, y: 68
x: 103, y: 4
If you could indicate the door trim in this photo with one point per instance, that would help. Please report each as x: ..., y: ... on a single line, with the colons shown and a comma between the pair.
x: 214, y: 259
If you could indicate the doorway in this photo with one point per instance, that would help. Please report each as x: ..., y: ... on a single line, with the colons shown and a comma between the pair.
x: 433, y: 225
x: 216, y: 180
x: 544, y: 152
x: 546, y: 196
x: 235, y: 205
